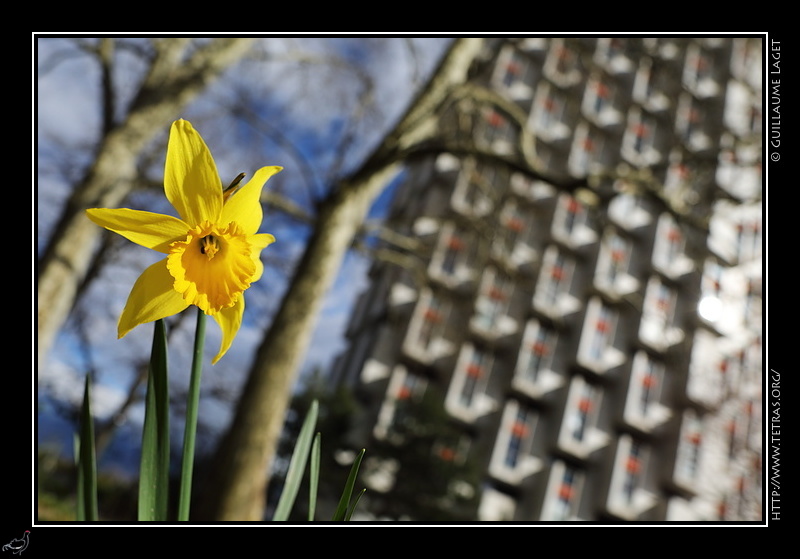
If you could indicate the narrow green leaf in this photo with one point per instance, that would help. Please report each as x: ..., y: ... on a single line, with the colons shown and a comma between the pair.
x: 87, y: 467
x: 154, y: 465
x: 355, y: 503
x: 80, y: 513
x: 297, y: 464
x: 344, y: 501
x: 313, y: 481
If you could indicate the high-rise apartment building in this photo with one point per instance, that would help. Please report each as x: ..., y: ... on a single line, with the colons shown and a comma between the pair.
x: 598, y: 346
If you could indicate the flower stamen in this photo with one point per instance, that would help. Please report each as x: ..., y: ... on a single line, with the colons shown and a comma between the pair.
x: 212, y: 267
x: 209, y: 245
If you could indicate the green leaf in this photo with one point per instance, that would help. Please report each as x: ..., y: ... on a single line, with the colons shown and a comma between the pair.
x: 154, y: 465
x: 314, y: 477
x: 297, y: 464
x: 353, y: 508
x: 344, y: 502
x: 87, y: 467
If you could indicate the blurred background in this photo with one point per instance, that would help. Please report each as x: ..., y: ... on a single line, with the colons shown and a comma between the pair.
x: 523, y: 273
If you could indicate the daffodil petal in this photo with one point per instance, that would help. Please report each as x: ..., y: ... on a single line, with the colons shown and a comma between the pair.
x: 151, y: 298
x: 257, y: 244
x: 229, y: 320
x: 244, y: 206
x: 191, y: 180
x: 151, y: 230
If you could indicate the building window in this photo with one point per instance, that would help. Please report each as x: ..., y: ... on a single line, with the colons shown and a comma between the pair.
x: 633, y: 468
x: 498, y: 131
x: 513, y: 67
x: 598, y: 349
x: 539, y: 353
x: 580, y: 434
x: 698, y: 72
x: 612, y: 54
x: 466, y: 397
x: 603, y: 328
x: 587, y: 154
x: 678, y: 181
x: 571, y: 214
x: 557, y: 277
x: 705, y: 382
x: 583, y: 411
x: 657, y: 328
x: 491, y: 318
x: 739, y: 175
x: 453, y: 261
x: 639, y: 144
x: 514, y: 226
x: 516, y: 74
x: 553, y: 294
x: 550, y: 115
x: 409, y: 390
x: 687, y: 460
x: 512, y: 459
x: 691, y: 124
x: 566, y: 493
x: 571, y: 224
x: 397, y: 413
x: 512, y: 237
x: 477, y: 189
x: 536, y: 371
x: 433, y: 318
x: 648, y: 385
x: 647, y: 89
x: 732, y: 435
x: 748, y: 235
x: 628, y: 496
x: 711, y: 307
x: 453, y: 249
x: 563, y: 65
x: 519, y: 435
x: 643, y: 408
x: 753, y: 302
x: 613, y: 262
x: 599, y: 102
x: 601, y: 97
x: 747, y: 61
x: 428, y: 335
x: 642, y: 136
x: 669, y: 255
x: 562, y: 500
x: 475, y: 376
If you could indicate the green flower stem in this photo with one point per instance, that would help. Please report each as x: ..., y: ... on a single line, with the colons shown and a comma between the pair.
x: 191, y: 418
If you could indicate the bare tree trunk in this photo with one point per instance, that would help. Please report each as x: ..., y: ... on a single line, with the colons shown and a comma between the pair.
x: 236, y: 486
x: 173, y: 80
x: 255, y: 430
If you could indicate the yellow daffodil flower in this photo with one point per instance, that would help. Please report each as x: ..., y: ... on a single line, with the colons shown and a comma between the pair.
x: 213, y: 248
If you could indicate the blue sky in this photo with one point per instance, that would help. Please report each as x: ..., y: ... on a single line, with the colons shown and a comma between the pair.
x: 310, y: 106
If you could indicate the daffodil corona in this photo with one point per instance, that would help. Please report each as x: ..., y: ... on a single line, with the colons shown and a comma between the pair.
x: 212, y: 249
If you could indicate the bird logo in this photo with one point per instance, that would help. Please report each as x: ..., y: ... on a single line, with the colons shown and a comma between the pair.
x: 17, y: 546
